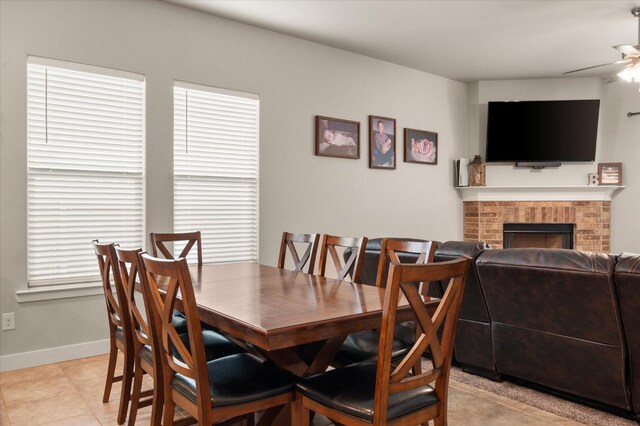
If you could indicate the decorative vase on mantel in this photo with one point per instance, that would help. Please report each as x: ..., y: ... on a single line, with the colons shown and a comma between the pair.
x: 477, y: 170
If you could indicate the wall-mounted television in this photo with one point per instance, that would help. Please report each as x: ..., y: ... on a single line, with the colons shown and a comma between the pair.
x: 538, y: 132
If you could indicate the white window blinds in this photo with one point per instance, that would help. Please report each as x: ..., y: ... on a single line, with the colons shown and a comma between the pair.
x: 85, y: 142
x: 216, y: 171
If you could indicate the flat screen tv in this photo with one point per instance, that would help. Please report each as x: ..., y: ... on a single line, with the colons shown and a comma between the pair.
x: 542, y: 131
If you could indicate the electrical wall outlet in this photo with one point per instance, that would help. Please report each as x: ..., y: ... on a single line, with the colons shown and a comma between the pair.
x: 8, y: 321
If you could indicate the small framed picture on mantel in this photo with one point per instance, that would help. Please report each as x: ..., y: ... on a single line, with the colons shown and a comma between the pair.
x: 610, y: 174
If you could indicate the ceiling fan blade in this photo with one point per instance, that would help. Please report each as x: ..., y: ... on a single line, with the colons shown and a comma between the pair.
x: 596, y: 66
x: 628, y: 50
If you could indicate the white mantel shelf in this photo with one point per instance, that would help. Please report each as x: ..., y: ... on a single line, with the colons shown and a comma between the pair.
x: 538, y: 193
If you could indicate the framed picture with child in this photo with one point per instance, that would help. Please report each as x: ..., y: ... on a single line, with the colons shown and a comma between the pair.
x: 382, y: 142
x: 336, y: 137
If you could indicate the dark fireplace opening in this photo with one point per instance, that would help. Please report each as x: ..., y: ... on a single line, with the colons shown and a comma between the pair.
x: 542, y: 235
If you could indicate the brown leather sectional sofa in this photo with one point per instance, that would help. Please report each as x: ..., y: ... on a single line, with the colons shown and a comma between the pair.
x: 627, y: 279
x: 555, y: 321
x: 563, y: 319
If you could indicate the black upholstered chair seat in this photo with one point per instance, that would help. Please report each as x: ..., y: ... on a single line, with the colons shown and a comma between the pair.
x: 351, y: 390
x: 119, y: 334
x: 215, y: 346
x: 145, y: 354
x: 179, y: 322
x: 363, y: 346
x: 238, y: 379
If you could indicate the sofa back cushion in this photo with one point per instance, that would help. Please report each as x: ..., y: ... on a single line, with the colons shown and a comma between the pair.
x: 555, y: 320
x: 473, y: 303
x: 562, y: 292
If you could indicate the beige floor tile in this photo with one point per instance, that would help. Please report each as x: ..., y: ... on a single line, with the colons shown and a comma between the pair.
x: 91, y: 391
x: 545, y: 415
x: 4, y: 416
x: 36, y: 390
x: 49, y: 410
x: 83, y: 420
x: 42, y: 372
x: 90, y: 368
x: 70, y: 394
x: 469, y: 409
x: 508, y: 402
x: 569, y: 422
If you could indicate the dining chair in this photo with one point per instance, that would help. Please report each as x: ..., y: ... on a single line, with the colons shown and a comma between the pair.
x: 352, y: 266
x: 191, y: 238
x: 120, y: 332
x: 396, y: 249
x: 146, y: 339
x: 376, y: 392
x: 145, y: 360
x: 309, y: 257
x: 230, y: 387
x: 363, y: 346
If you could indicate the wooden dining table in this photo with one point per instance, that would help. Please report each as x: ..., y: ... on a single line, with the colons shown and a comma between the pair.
x: 297, y: 320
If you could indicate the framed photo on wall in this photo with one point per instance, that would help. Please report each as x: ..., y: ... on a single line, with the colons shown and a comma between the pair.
x: 610, y: 173
x: 336, y: 137
x: 382, y: 142
x: 420, y: 146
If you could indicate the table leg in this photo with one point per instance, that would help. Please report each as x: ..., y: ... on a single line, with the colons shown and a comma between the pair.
x: 318, y: 357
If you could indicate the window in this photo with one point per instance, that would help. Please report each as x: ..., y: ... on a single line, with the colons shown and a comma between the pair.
x: 85, y: 141
x: 216, y: 171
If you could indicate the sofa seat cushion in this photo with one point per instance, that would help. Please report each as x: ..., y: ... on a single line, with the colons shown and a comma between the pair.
x: 238, y: 379
x: 351, y: 390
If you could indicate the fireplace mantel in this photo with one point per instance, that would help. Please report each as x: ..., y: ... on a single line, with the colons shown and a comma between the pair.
x: 538, y: 193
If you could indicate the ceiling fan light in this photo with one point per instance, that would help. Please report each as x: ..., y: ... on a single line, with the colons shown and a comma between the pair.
x: 631, y: 73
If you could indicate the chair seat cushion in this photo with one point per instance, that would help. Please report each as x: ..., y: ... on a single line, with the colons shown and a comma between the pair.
x: 179, y: 322
x: 237, y: 379
x: 363, y: 346
x: 145, y: 354
x: 215, y: 345
x: 351, y: 390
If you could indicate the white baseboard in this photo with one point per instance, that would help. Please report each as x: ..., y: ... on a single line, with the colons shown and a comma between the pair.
x: 51, y: 355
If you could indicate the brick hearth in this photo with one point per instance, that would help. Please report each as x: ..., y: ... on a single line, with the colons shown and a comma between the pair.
x: 483, y: 220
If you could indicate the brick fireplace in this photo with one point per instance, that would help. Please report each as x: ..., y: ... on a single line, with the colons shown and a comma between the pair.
x: 483, y: 220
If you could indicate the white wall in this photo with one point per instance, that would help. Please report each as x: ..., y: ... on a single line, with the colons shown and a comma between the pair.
x: 511, y: 90
x: 618, y: 141
x: 295, y: 80
x: 620, y: 138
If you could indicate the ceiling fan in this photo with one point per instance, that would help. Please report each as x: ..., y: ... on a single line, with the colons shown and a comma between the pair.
x: 630, y: 56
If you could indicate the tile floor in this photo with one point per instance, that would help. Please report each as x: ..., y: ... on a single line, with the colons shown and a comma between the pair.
x: 70, y: 393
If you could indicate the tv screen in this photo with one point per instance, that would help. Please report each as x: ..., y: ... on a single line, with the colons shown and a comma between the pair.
x: 542, y: 131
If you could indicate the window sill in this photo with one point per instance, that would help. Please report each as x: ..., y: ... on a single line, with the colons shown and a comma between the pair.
x: 36, y: 294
